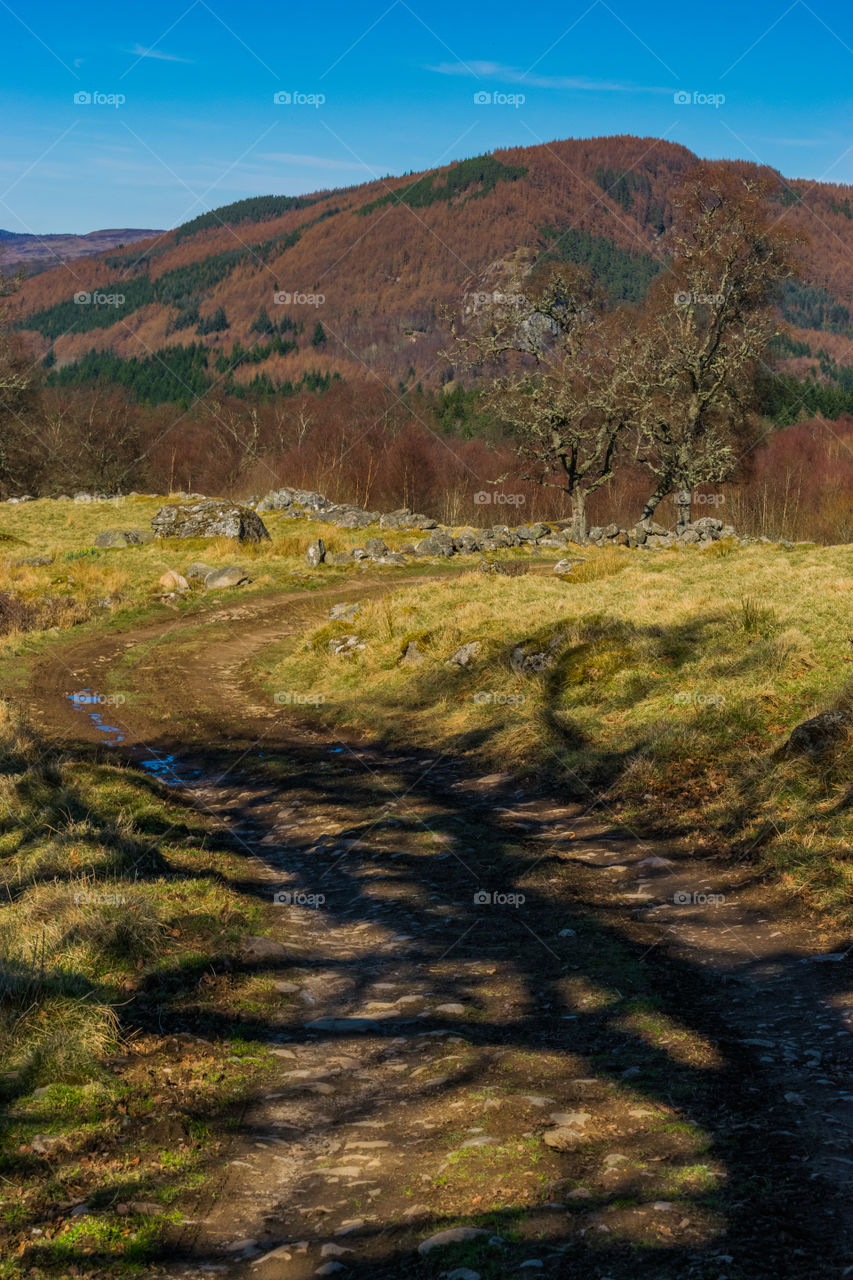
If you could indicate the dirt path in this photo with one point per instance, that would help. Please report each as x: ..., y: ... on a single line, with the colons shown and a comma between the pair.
x: 639, y: 1069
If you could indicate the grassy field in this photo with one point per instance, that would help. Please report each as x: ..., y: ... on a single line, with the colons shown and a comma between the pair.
x: 670, y: 682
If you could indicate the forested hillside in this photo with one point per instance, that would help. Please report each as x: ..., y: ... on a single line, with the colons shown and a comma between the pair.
x: 271, y: 291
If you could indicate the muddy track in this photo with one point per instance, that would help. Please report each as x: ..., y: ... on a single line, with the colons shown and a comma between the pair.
x: 643, y: 1069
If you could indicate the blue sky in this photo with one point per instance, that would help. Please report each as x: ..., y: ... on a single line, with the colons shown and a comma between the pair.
x: 199, y: 125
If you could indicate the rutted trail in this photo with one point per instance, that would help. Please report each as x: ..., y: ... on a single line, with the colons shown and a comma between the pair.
x: 620, y: 1075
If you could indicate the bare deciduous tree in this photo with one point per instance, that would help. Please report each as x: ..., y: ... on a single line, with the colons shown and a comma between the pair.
x: 702, y: 332
x: 559, y: 384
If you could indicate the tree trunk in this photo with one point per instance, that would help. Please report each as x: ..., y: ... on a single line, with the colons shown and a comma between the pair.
x: 652, y: 505
x: 683, y: 502
x: 578, y: 516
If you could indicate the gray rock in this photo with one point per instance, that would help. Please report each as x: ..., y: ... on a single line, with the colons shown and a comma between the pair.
x: 821, y: 735
x: 529, y: 659
x: 565, y: 566
x: 198, y: 569
x: 339, y: 558
x: 689, y: 534
x: 256, y: 948
x: 439, y: 543
x: 531, y: 532
x: 376, y: 547
x: 453, y: 1235
x: 404, y: 519
x: 562, y: 1138
x: 231, y: 576
x: 344, y: 611
x: 413, y: 656
x: 467, y: 544
x: 345, y: 646
x: 316, y: 553
x: 392, y: 557
x: 33, y: 562
x: 358, y: 553
x: 462, y: 656
x: 210, y: 518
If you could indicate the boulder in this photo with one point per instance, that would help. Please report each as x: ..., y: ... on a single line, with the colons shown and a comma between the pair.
x: 530, y: 532
x: 821, y: 735
x: 467, y: 544
x: 344, y: 611
x: 339, y: 558
x: 707, y: 525
x: 610, y: 531
x: 413, y: 656
x: 199, y: 570
x: 391, y: 557
x: 566, y: 565
x: 351, y: 517
x: 688, y: 534
x: 345, y: 646
x: 439, y: 543
x: 530, y: 658
x: 231, y: 576
x: 210, y: 518
x: 376, y: 547
x: 173, y: 581
x: 316, y: 553
x: 405, y: 519
x: 463, y: 655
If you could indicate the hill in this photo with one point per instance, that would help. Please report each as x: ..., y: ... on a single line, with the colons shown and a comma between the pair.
x: 38, y: 253
x: 241, y: 289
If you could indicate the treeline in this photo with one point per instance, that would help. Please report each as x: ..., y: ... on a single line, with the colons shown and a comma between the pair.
x: 475, y: 177
x: 625, y: 276
x: 360, y: 443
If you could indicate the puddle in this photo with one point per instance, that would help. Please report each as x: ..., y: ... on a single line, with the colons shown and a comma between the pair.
x: 83, y: 701
x: 165, y: 767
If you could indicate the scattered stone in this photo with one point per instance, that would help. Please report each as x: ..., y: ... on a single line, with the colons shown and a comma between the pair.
x: 455, y: 1009
x: 821, y: 735
x: 376, y: 547
x: 562, y: 1138
x: 173, y: 581
x: 316, y: 553
x: 210, y: 518
x: 231, y: 576
x: 345, y: 612
x: 464, y: 654
x: 199, y: 570
x: 453, y: 1235
x: 413, y: 656
x: 345, y: 646
x: 565, y: 566
x: 256, y: 948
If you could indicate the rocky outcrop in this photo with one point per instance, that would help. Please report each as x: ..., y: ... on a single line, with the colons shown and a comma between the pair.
x: 209, y: 518
x: 822, y: 735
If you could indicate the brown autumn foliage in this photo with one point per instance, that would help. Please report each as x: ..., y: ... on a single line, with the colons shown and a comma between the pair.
x: 386, y: 276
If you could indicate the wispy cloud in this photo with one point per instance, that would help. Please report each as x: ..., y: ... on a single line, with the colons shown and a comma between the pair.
x: 317, y: 162
x: 513, y: 75
x: 139, y: 51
